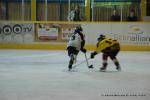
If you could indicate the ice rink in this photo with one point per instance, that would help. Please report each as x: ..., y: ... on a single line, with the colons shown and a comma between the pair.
x: 43, y: 75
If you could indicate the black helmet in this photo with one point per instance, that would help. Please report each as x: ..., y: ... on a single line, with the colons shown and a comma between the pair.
x: 78, y: 29
x: 101, y: 37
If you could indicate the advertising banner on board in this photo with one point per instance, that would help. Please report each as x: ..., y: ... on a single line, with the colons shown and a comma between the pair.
x: 16, y: 33
x: 127, y: 34
x: 53, y: 32
x: 132, y: 34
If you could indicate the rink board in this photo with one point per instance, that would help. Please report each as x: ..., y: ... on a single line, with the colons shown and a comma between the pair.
x: 133, y: 36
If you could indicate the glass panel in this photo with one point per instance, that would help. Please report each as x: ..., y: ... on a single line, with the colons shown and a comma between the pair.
x: 40, y: 11
x: 114, y: 11
x: 103, y: 11
x: 63, y: 10
x: 76, y: 11
x: 148, y: 7
x: 2, y: 10
x: 58, y: 10
x: 54, y: 11
x: 17, y: 9
x: 27, y: 10
x: 132, y: 12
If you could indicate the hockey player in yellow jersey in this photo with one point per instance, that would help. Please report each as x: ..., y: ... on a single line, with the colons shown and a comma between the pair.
x: 109, y: 48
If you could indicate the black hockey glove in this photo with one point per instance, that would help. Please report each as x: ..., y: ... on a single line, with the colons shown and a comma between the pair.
x: 93, y: 54
x: 83, y: 50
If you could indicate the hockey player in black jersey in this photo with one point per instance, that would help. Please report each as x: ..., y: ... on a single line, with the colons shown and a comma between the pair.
x: 76, y: 43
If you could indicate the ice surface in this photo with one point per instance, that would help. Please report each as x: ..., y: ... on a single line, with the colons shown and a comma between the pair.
x: 43, y: 75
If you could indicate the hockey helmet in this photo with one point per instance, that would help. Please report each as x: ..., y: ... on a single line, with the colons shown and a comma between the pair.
x: 78, y: 29
x: 101, y: 37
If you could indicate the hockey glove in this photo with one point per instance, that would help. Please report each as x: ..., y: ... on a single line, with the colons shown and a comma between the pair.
x: 83, y: 50
x: 93, y: 54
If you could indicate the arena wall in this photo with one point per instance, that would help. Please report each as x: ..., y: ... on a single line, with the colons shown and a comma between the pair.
x: 133, y: 36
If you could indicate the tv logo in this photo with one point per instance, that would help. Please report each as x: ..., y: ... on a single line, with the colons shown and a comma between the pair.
x: 16, y: 29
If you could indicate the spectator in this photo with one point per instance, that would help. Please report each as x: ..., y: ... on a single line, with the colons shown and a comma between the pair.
x: 115, y: 16
x: 132, y: 16
x: 74, y: 15
x: 3, y: 12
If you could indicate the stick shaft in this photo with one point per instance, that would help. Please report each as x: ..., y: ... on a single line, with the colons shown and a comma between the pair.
x: 80, y: 63
x: 86, y: 60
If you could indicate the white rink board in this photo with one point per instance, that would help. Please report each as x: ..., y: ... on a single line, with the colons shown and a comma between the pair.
x: 127, y: 34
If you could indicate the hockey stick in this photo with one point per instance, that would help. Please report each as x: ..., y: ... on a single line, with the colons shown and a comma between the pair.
x: 80, y: 63
x: 89, y: 66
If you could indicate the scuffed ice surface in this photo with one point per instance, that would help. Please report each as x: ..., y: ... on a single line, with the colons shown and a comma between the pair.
x: 43, y: 75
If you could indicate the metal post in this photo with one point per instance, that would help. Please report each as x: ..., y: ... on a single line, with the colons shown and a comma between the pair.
x: 23, y: 10
x: 69, y: 7
x: 92, y: 7
x: 121, y: 12
x: 46, y: 10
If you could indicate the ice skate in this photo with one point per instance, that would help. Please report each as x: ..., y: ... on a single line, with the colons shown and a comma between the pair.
x: 102, y: 69
x: 118, y: 68
x: 69, y: 67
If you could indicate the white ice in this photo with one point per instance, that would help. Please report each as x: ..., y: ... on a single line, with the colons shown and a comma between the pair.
x: 43, y: 75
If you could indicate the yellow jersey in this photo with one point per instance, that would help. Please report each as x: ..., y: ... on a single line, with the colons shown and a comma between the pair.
x: 106, y: 44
